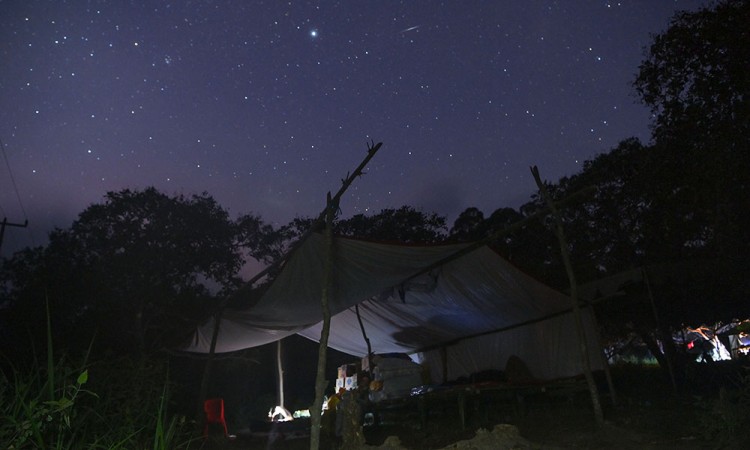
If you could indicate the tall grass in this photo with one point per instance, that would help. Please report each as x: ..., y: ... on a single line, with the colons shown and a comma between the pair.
x: 110, y: 403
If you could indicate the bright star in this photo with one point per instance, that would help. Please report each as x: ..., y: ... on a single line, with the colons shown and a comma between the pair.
x: 314, y: 33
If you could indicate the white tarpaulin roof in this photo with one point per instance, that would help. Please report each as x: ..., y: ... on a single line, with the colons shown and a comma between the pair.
x: 477, y: 302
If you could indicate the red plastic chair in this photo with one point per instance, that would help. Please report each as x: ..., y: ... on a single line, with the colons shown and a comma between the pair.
x: 214, y: 409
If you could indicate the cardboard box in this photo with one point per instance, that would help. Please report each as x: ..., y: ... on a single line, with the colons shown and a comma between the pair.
x: 347, y: 370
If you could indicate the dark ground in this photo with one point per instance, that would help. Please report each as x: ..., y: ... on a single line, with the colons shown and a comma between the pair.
x: 648, y: 416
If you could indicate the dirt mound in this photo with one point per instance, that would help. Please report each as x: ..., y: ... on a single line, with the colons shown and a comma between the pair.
x: 502, y: 436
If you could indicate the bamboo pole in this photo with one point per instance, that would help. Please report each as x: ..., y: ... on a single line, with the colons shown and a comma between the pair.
x: 598, y: 414
x: 320, y: 379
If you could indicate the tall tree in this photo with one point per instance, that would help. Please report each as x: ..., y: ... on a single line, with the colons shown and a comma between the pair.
x: 141, y: 269
x: 696, y: 79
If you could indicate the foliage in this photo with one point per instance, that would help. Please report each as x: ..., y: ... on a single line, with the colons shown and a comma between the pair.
x: 528, y: 245
x: 140, y: 269
x: 262, y: 241
x: 470, y: 225
x: 85, y: 410
x: 57, y: 407
x: 28, y: 420
x: 696, y: 81
x: 403, y: 225
x: 607, y: 229
x: 676, y: 206
x: 696, y: 73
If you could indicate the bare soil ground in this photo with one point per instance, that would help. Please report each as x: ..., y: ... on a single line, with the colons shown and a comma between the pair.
x: 661, y: 425
x: 647, y: 416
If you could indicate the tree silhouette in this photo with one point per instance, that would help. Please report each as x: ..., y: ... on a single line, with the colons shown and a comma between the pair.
x: 139, y: 270
x: 696, y: 79
x: 403, y: 225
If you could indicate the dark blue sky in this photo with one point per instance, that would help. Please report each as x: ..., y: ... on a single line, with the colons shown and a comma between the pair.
x: 268, y: 105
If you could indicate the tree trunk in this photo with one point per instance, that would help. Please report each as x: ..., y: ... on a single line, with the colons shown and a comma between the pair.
x: 667, y: 358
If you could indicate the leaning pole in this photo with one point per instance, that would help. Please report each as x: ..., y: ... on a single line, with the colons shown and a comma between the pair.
x: 325, y: 296
x: 598, y: 414
x: 332, y: 205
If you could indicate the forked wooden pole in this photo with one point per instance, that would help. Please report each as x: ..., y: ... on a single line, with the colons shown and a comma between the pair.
x: 372, y: 149
x: 325, y: 296
x: 598, y: 414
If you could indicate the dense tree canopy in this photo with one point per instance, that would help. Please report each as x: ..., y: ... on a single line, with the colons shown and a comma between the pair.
x: 404, y: 225
x: 680, y: 201
x: 137, y: 271
x: 696, y: 79
x: 697, y: 74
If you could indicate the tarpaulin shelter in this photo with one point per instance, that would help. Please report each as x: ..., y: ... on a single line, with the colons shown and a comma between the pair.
x: 469, y: 312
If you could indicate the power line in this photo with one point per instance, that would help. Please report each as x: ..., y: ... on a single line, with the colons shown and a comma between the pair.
x: 5, y: 222
x: 13, y: 181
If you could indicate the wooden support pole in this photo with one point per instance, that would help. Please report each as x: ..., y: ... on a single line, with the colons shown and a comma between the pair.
x: 500, y: 233
x: 598, y: 414
x: 280, y: 373
x: 364, y: 335
x: 372, y: 149
x: 325, y: 295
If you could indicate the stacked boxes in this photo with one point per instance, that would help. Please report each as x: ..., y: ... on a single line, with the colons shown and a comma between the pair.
x: 347, y: 377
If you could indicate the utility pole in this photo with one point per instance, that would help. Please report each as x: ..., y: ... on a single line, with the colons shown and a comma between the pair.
x: 4, y: 224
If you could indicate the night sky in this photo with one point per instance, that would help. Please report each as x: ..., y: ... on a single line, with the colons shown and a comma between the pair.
x: 267, y: 105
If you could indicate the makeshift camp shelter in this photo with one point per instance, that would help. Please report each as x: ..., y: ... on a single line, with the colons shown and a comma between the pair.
x: 471, y: 311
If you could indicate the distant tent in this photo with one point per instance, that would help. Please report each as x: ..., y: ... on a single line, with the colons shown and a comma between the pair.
x: 469, y: 314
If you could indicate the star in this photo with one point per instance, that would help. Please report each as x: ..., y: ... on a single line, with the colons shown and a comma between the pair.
x: 473, y: 88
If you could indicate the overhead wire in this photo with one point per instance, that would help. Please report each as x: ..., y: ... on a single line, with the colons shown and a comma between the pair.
x: 13, y: 180
x: 16, y: 191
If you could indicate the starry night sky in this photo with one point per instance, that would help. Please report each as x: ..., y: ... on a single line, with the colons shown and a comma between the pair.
x: 267, y: 105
